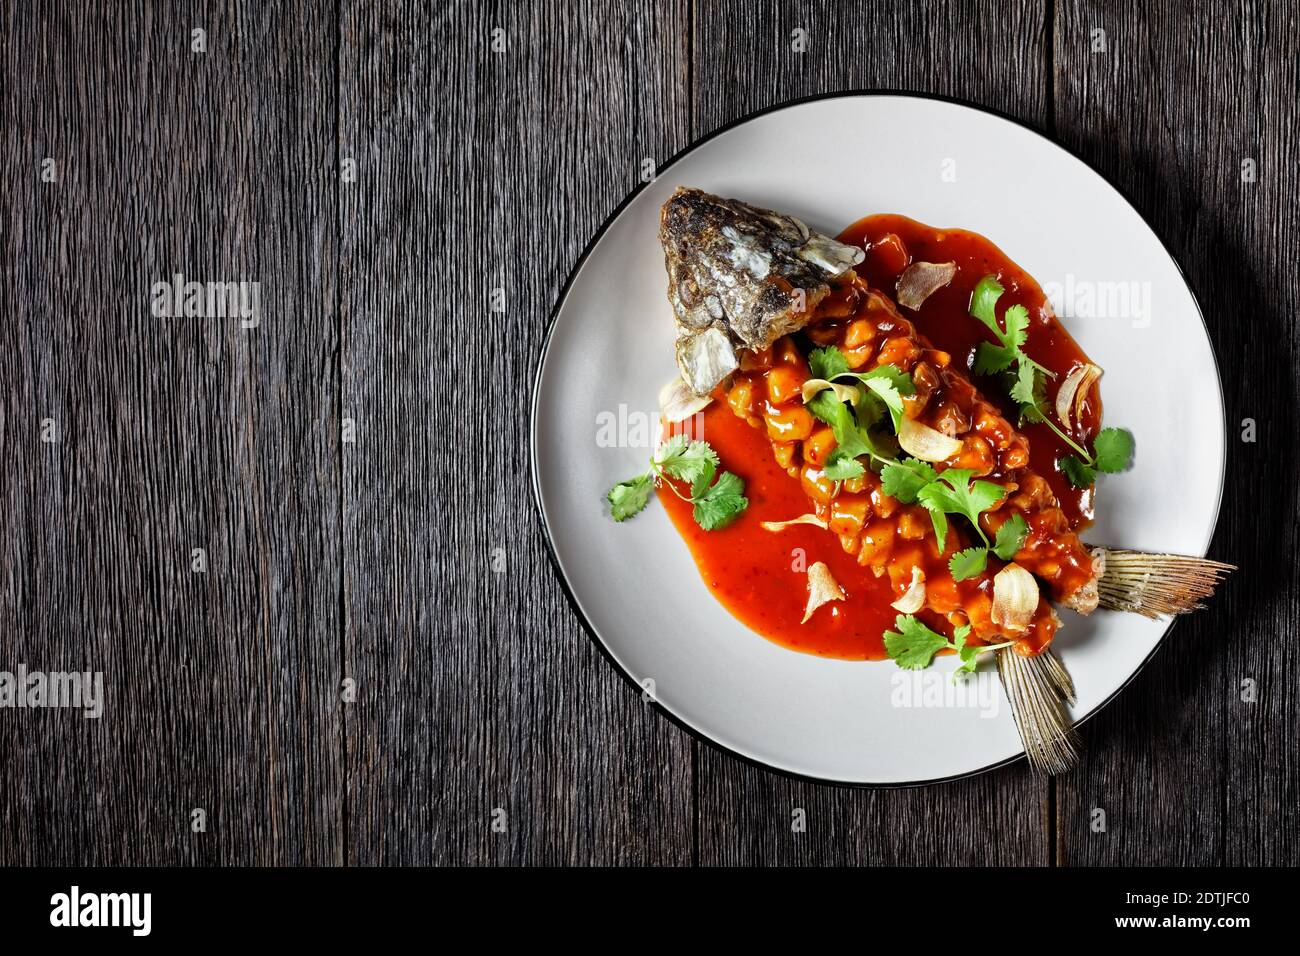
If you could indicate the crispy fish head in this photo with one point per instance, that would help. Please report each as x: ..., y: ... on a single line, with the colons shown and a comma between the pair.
x: 740, y: 277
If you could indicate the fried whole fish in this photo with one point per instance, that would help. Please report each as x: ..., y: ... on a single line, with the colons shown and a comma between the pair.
x: 741, y: 280
x: 740, y: 277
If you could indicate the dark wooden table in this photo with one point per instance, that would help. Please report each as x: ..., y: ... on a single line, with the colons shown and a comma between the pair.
x: 355, y: 467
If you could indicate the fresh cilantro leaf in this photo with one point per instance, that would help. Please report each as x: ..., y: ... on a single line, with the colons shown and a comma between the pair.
x: 883, y: 448
x: 1011, y: 537
x: 1016, y: 322
x: 913, y: 645
x: 687, y: 461
x: 1011, y: 334
x: 990, y: 358
x: 848, y: 437
x: 831, y: 410
x: 840, y: 467
x: 627, y: 498
x: 827, y: 363
x: 671, y: 448
x: 716, y: 504
x: 1114, y: 451
x: 704, y: 478
x: 888, y: 384
x: 953, y: 478
x: 940, y: 522
x: 984, y: 299
x: 869, y: 410
x: 938, y: 500
x: 888, y: 394
x: 885, y: 387
x: 853, y: 439
x: 968, y: 563
x: 954, y: 493
x: 968, y: 654
x: 904, y: 479
x: 1114, y: 448
x: 1079, y: 472
x: 722, y: 504
x: 980, y: 497
x: 1027, y: 389
x: 895, y: 376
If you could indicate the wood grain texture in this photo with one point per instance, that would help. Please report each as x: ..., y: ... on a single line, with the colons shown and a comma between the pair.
x: 173, y: 434
x: 482, y: 170
x: 744, y: 61
x: 409, y: 560
x: 1185, y: 770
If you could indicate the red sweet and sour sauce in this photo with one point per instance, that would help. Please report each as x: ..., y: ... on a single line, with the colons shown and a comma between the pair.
x: 761, y: 576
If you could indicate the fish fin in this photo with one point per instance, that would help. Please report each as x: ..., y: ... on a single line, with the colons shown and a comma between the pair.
x: 1039, y: 688
x: 1155, y: 585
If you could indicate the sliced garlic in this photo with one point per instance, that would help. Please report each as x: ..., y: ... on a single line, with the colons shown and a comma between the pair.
x: 923, y: 442
x: 782, y: 525
x: 1015, y: 599
x: 845, y: 393
x: 1074, y: 392
x: 822, y: 587
x: 677, y: 402
x: 914, y: 597
x: 921, y: 280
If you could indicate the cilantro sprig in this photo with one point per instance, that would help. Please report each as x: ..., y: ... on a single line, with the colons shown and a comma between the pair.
x: 716, y: 504
x: 851, y: 440
x: 1113, y: 453
x: 991, y: 358
x: 1113, y: 446
x: 913, y: 646
x: 887, y: 383
x: 854, y: 426
x: 952, y: 492
x: 904, y: 479
x: 828, y: 363
x: 1010, y: 539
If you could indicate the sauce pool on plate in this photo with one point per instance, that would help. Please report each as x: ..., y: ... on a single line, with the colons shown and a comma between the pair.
x: 761, y: 576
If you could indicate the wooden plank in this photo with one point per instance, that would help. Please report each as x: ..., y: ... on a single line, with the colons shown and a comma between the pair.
x: 478, y: 691
x: 989, y: 53
x: 172, y: 434
x: 743, y: 61
x: 1185, y: 770
x: 182, y: 433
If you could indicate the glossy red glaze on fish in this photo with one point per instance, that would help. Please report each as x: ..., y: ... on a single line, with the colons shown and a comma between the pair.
x: 761, y: 576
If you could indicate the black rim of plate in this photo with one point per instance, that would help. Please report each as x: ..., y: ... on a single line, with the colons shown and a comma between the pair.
x: 697, y: 733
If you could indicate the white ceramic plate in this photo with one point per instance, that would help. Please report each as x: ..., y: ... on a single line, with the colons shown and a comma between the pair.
x: 831, y: 161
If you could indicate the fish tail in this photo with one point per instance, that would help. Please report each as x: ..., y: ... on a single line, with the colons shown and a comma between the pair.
x: 1156, y: 585
x: 1039, y: 688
